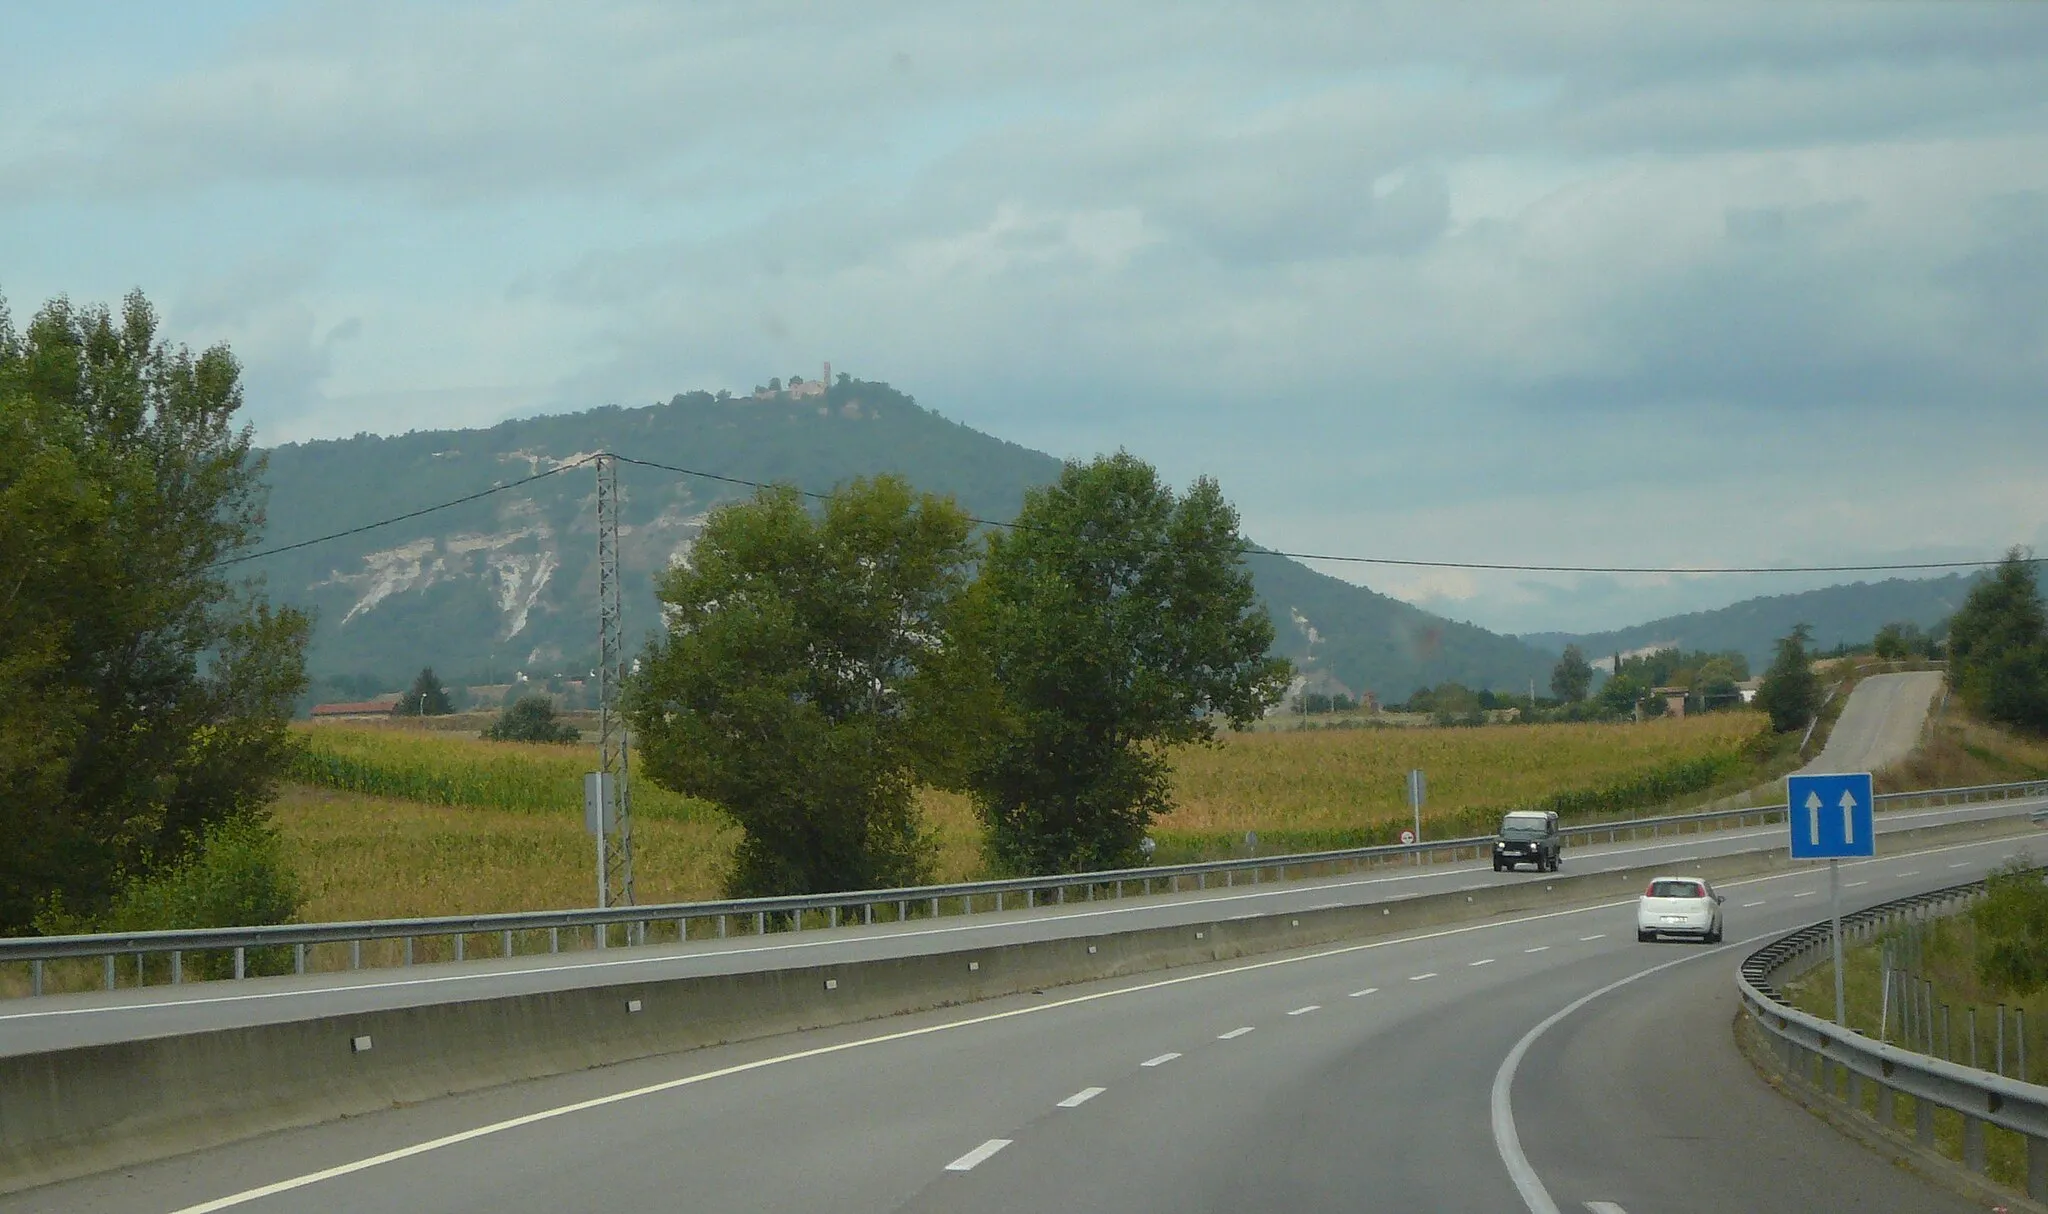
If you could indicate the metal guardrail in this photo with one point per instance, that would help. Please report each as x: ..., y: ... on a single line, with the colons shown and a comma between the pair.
x: 1816, y: 1051
x: 526, y: 932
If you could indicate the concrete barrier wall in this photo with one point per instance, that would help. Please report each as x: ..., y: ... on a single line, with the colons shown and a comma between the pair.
x: 72, y: 1112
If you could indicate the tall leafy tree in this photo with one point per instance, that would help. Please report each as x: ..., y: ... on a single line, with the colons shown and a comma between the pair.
x: 425, y: 698
x: 1998, y: 646
x: 813, y: 674
x: 1121, y: 622
x: 1572, y: 675
x: 146, y: 690
x: 1790, y: 691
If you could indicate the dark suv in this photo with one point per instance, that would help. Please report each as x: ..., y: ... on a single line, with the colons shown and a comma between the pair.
x: 1529, y: 836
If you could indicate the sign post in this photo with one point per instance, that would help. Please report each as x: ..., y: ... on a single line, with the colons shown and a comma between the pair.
x: 600, y: 798
x: 1418, y: 787
x: 1830, y: 818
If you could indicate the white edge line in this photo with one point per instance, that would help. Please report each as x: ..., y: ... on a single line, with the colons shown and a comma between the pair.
x: 484, y: 1131
x: 828, y: 939
x: 1509, y: 1143
x: 1081, y: 1097
x: 975, y: 1157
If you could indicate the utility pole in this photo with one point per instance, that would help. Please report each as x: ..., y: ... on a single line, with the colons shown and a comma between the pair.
x: 615, y: 846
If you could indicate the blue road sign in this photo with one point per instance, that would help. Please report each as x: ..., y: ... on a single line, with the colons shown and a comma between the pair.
x: 1830, y: 816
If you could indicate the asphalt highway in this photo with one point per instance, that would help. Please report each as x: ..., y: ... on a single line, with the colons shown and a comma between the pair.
x: 62, y: 1021
x: 1544, y: 1062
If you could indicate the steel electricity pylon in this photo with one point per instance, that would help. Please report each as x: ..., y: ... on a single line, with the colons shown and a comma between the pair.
x: 617, y: 885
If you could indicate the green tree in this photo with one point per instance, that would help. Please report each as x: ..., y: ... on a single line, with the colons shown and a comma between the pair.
x: 1620, y: 694
x: 425, y: 698
x: 1715, y: 683
x: 813, y: 674
x: 1890, y: 643
x: 1998, y: 646
x: 1121, y: 622
x: 531, y: 719
x: 1790, y: 691
x: 147, y: 694
x: 2012, y: 930
x: 1572, y: 676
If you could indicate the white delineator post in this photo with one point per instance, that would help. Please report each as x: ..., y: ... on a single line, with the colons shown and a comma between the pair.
x: 1835, y: 913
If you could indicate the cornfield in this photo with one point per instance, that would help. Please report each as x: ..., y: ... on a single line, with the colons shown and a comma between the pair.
x: 439, y: 769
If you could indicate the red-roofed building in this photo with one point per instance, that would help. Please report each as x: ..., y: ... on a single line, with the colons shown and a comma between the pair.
x: 378, y: 707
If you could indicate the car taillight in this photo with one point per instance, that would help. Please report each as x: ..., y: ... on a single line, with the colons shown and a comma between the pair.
x: 1649, y: 891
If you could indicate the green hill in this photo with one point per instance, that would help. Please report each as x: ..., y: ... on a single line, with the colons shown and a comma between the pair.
x: 1849, y: 614
x: 508, y: 582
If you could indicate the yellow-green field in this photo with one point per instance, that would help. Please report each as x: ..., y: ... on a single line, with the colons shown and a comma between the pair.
x: 424, y: 823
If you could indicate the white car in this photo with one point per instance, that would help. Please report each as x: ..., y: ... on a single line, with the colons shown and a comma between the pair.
x: 1679, y: 906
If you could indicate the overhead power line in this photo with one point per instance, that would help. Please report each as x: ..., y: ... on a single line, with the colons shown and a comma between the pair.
x: 1416, y: 564
x: 1011, y: 525
x: 399, y: 518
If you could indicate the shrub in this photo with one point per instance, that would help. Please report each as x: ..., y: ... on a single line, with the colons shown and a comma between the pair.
x: 531, y: 719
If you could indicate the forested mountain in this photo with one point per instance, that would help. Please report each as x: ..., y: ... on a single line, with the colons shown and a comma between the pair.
x: 1849, y: 614
x: 508, y: 582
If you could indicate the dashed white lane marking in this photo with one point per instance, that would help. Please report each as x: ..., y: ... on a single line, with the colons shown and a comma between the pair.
x: 1481, y: 961
x: 1594, y: 936
x: 1234, y: 1033
x: 1303, y: 1011
x: 1807, y: 893
x: 1362, y: 994
x: 979, y: 1155
x: 1960, y: 864
x: 474, y: 1133
x: 1911, y: 872
x: 1853, y: 884
x: 1604, y: 1207
x: 1541, y: 948
x: 1758, y: 902
x: 1162, y: 1060
x: 1420, y: 977
x: 1081, y: 1097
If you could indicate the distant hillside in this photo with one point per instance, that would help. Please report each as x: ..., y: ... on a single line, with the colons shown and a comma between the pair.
x: 508, y: 582
x: 1839, y: 614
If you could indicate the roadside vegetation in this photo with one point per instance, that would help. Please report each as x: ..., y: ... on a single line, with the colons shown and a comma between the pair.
x: 1988, y: 962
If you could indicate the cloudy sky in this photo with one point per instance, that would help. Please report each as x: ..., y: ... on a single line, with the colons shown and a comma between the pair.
x: 1599, y: 284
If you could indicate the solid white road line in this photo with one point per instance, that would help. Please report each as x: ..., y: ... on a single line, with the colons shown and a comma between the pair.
x: 1234, y: 1033
x: 1420, y: 977
x: 1604, y: 1207
x: 1303, y: 1011
x: 1482, y: 961
x: 293, y: 1183
x: 1541, y: 948
x: 827, y: 939
x: 977, y: 1156
x: 1362, y: 994
x: 1162, y: 1060
x: 1506, y: 1140
x: 1081, y: 1097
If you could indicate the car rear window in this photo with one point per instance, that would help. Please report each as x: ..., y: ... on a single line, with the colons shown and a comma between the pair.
x: 1677, y: 889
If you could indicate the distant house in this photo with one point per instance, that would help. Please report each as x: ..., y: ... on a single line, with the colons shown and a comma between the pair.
x: 378, y: 707
x: 1674, y: 699
x: 1748, y: 688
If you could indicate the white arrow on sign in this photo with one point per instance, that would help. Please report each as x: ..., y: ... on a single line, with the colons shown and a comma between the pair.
x: 1848, y: 816
x: 1813, y: 818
